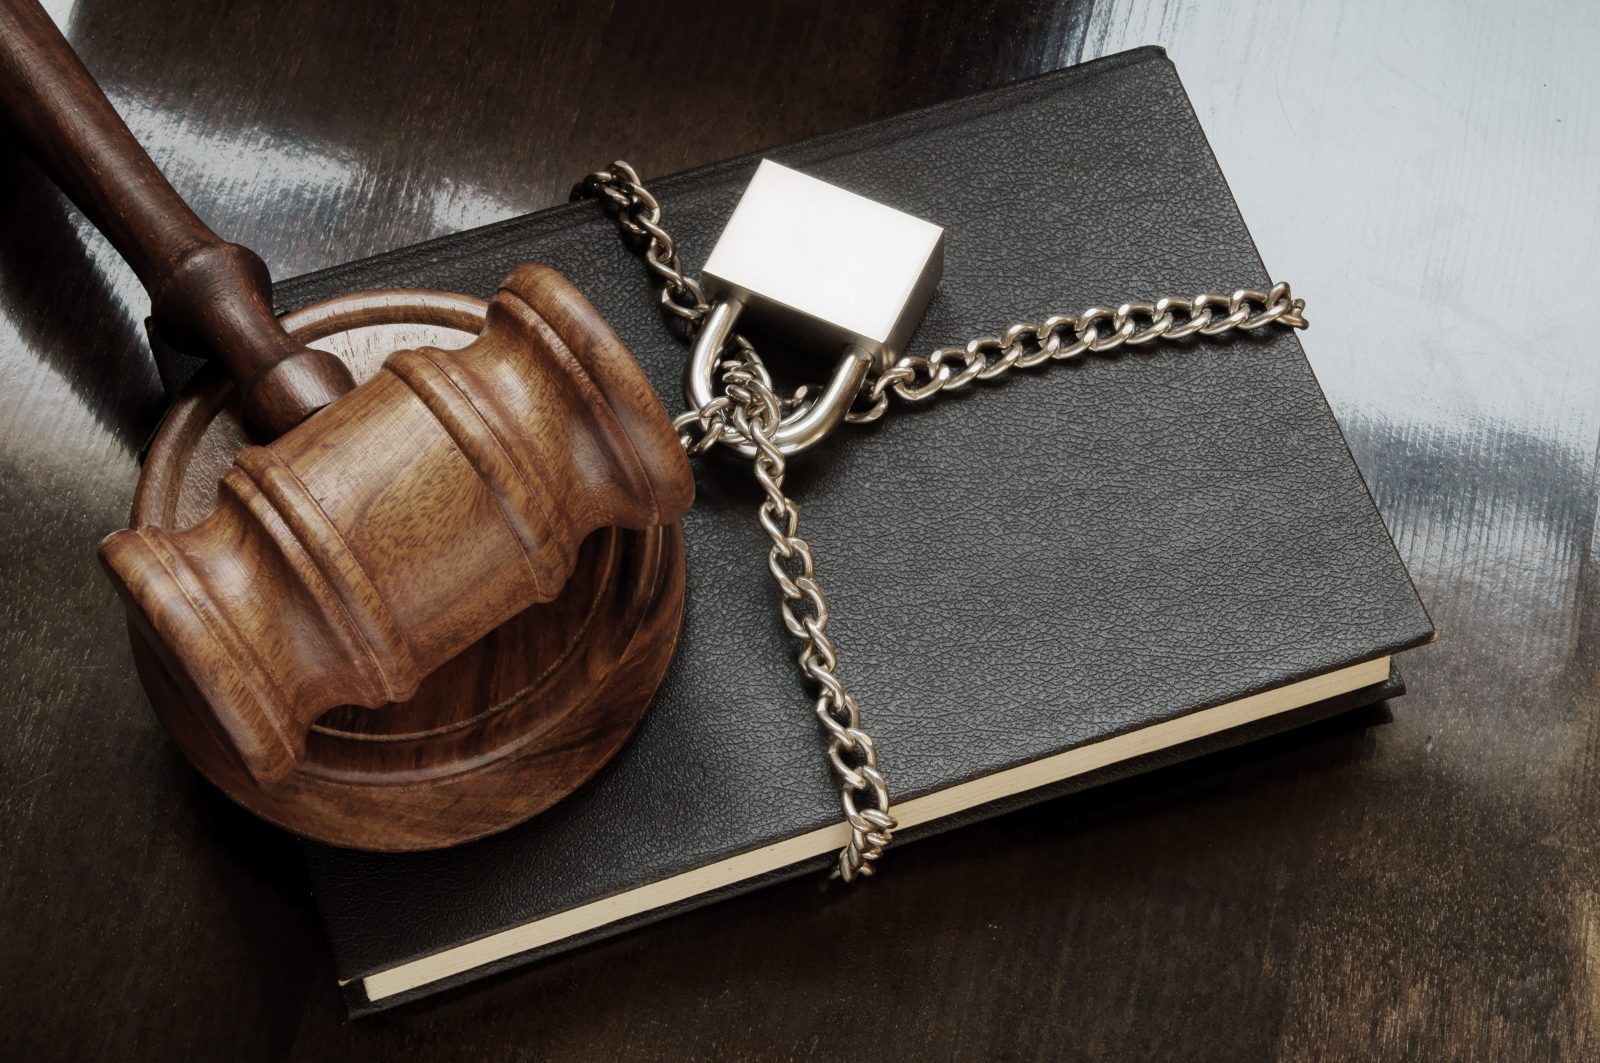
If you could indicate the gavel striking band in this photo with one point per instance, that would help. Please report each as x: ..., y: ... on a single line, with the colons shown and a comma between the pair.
x: 381, y: 537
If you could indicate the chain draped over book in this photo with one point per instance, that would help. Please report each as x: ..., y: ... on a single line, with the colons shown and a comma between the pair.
x: 749, y: 409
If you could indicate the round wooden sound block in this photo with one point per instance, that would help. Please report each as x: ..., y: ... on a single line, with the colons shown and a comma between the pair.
x: 492, y: 737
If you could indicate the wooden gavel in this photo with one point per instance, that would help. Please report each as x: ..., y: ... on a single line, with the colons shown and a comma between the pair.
x: 372, y: 541
x: 390, y: 531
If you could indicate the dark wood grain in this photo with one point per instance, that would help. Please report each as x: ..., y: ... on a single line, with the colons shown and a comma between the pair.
x: 1421, y: 886
x: 208, y: 297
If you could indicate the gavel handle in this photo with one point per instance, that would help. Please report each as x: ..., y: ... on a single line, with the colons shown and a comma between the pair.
x: 208, y: 297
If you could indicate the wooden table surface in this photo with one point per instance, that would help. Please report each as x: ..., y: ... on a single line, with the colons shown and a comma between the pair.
x: 1418, y: 885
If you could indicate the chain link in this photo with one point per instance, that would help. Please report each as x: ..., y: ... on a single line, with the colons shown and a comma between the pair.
x: 638, y: 214
x: 749, y: 410
x: 1064, y: 337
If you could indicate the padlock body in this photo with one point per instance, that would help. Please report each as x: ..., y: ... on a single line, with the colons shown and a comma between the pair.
x: 827, y: 268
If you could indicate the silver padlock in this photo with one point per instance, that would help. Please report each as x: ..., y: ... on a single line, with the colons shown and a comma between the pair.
x: 835, y: 272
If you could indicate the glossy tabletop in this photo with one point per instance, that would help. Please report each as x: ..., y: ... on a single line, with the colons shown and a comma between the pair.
x: 1416, y: 883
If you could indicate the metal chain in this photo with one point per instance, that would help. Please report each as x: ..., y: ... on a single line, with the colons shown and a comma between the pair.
x: 1063, y: 337
x: 637, y: 213
x: 749, y: 409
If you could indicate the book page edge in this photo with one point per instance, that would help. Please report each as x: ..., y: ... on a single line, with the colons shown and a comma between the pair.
x: 925, y: 809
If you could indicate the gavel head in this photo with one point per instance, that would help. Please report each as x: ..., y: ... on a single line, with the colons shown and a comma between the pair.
x: 375, y: 541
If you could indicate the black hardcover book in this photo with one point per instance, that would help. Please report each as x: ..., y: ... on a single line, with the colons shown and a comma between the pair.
x: 1081, y: 571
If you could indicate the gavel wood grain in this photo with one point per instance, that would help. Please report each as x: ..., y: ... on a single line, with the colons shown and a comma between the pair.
x: 502, y: 728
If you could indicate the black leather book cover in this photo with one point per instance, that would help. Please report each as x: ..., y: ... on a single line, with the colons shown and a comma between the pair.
x: 1077, y: 553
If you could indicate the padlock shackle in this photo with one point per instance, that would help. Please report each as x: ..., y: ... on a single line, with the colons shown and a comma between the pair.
x: 796, y: 433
